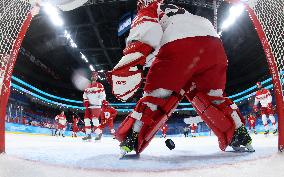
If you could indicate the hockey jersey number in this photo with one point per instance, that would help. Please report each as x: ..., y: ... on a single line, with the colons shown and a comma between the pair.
x: 171, y: 10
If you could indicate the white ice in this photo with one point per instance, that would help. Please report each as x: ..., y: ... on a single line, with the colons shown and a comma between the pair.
x: 35, y: 155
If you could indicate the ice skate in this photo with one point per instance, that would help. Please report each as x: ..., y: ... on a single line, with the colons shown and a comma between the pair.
x: 129, y: 143
x: 266, y: 133
x: 241, y: 141
x: 87, y: 138
x: 275, y: 132
x: 98, y: 137
x: 255, y: 132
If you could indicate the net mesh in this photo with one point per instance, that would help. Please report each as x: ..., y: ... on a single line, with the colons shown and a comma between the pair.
x: 12, y: 15
x: 270, y: 13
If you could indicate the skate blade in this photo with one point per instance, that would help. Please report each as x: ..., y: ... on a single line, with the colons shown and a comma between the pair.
x: 249, y: 148
x: 89, y: 140
x: 238, y: 149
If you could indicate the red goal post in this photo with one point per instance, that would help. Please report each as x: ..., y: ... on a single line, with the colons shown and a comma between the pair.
x: 15, y: 18
x: 267, y: 17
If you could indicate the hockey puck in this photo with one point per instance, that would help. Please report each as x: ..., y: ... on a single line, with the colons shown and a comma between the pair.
x: 170, y: 144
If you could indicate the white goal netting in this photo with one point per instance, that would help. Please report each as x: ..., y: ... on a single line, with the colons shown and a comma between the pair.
x: 270, y: 14
x: 13, y: 13
x: 15, y: 18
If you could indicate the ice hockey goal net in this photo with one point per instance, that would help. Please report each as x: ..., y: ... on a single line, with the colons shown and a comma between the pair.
x: 266, y: 15
x: 15, y: 17
x: 268, y: 19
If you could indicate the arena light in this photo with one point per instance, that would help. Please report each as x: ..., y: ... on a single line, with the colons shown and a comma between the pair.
x: 84, y: 57
x: 73, y: 44
x: 53, y: 14
x: 67, y: 35
x: 91, y: 67
x: 235, y: 12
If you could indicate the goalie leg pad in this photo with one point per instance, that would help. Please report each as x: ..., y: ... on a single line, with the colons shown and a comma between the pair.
x: 216, y: 117
x: 155, y: 120
x: 124, y: 128
x: 152, y: 119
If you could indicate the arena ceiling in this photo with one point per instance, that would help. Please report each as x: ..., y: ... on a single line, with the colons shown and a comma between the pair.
x: 94, y: 29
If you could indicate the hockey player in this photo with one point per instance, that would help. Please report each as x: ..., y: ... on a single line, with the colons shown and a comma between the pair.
x: 190, y: 62
x: 93, y: 97
x: 108, y: 114
x: 164, y: 130
x: 186, y: 131
x: 193, y: 128
x: 61, y: 124
x: 75, y: 128
x: 263, y: 96
x: 252, y: 122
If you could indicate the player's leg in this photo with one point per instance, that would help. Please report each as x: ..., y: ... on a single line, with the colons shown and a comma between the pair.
x: 63, y: 130
x: 270, y: 112
x: 264, y: 120
x: 250, y: 126
x: 273, y: 121
x: 88, y: 126
x: 150, y: 113
x: 206, y: 95
x: 110, y: 125
x: 95, y: 114
x: 99, y: 130
x: 254, y: 129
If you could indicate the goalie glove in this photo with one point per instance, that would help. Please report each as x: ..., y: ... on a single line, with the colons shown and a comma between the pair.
x: 126, y: 77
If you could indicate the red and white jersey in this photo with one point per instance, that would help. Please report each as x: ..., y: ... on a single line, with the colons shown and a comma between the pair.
x: 108, y: 113
x: 263, y: 97
x: 193, y: 127
x: 61, y: 119
x: 161, y: 23
x: 95, y: 94
x: 251, y: 119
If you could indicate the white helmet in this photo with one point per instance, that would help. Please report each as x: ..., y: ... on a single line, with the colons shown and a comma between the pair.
x: 144, y: 3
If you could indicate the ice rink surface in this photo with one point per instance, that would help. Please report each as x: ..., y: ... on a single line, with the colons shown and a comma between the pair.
x: 37, y: 155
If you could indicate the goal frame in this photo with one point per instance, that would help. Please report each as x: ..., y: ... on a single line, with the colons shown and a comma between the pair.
x: 277, y: 87
x: 5, y: 89
x: 265, y: 44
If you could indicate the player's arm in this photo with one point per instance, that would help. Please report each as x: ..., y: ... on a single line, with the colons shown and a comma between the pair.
x: 86, y: 100
x: 103, y: 93
x: 145, y: 35
x: 256, y: 101
x: 269, y: 97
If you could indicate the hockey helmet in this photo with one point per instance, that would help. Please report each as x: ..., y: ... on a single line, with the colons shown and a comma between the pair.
x: 105, y: 103
x: 94, y: 75
x: 145, y: 3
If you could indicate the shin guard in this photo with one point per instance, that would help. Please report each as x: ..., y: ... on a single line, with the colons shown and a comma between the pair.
x: 217, y: 117
x: 152, y: 120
